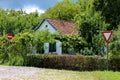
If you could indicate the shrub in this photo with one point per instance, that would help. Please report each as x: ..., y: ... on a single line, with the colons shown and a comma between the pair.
x: 69, y: 62
x: 16, y: 60
x: 35, y: 60
x: 3, y: 58
x: 114, y: 64
x: 11, y: 59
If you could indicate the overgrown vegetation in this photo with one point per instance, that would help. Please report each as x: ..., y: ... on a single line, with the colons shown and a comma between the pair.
x: 72, y: 42
x: 92, y: 17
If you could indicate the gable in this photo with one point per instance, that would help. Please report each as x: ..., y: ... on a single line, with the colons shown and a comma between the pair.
x: 46, y: 25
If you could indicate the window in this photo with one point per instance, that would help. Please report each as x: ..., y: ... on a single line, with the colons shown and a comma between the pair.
x: 46, y: 26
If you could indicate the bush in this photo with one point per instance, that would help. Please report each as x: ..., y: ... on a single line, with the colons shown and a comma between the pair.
x: 35, y: 60
x: 16, y: 59
x: 69, y: 62
x: 3, y: 58
x: 114, y: 64
x: 72, y: 62
x: 11, y: 59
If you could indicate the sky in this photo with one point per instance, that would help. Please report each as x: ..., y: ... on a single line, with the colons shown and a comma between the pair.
x: 28, y: 5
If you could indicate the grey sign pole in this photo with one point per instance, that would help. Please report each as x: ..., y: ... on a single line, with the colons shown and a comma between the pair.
x: 107, y: 63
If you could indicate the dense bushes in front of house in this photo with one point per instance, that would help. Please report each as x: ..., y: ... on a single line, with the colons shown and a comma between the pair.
x: 72, y: 62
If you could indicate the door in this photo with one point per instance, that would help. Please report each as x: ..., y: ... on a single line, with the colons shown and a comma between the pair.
x: 52, y: 47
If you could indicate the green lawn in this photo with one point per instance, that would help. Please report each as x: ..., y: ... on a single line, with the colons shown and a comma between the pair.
x: 49, y: 74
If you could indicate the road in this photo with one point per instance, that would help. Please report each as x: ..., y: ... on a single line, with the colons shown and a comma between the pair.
x: 19, y: 73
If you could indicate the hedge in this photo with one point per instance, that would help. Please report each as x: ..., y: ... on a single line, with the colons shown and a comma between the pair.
x: 72, y: 62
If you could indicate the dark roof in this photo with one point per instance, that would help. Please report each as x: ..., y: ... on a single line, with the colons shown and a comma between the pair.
x: 65, y: 27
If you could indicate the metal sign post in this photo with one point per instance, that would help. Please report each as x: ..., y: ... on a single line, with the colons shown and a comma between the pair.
x: 107, y: 36
x: 107, y: 57
x: 9, y: 36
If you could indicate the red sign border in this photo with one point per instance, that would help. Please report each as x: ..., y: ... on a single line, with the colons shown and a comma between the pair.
x: 109, y: 36
x: 8, y: 35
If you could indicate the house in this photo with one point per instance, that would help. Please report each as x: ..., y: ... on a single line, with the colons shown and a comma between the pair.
x: 53, y: 25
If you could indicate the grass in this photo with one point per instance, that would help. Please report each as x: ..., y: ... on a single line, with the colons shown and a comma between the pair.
x: 49, y: 74
x: 52, y: 74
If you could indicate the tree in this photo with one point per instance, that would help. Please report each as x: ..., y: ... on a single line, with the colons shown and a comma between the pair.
x: 114, y: 45
x: 110, y: 10
x: 65, y: 10
x: 12, y: 21
x: 91, y: 23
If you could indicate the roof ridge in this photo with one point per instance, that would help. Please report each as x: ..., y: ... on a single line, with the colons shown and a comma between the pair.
x: 60, y: 20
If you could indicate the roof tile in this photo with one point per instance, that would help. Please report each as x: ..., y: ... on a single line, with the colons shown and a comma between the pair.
x: 65, y: 27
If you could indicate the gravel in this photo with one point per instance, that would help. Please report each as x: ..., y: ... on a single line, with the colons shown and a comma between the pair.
x: 18, y: 72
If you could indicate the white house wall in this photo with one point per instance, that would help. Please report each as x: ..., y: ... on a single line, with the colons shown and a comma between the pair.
x: 46, y: 47
x: 49, y: 27
x: 58, y: 47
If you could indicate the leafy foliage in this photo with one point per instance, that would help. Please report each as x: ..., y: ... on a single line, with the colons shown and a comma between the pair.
x: 42, y: 37
x: 65, y: 10
x: 71, y: 42
x: 115, y: 44
x: 92, y: 16
x: 12, y: 21
x: 110, y: 10
x: 22, y: 44
x: 91, y: 24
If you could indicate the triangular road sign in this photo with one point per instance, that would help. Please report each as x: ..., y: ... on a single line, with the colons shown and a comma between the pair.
x: 107, y: 35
